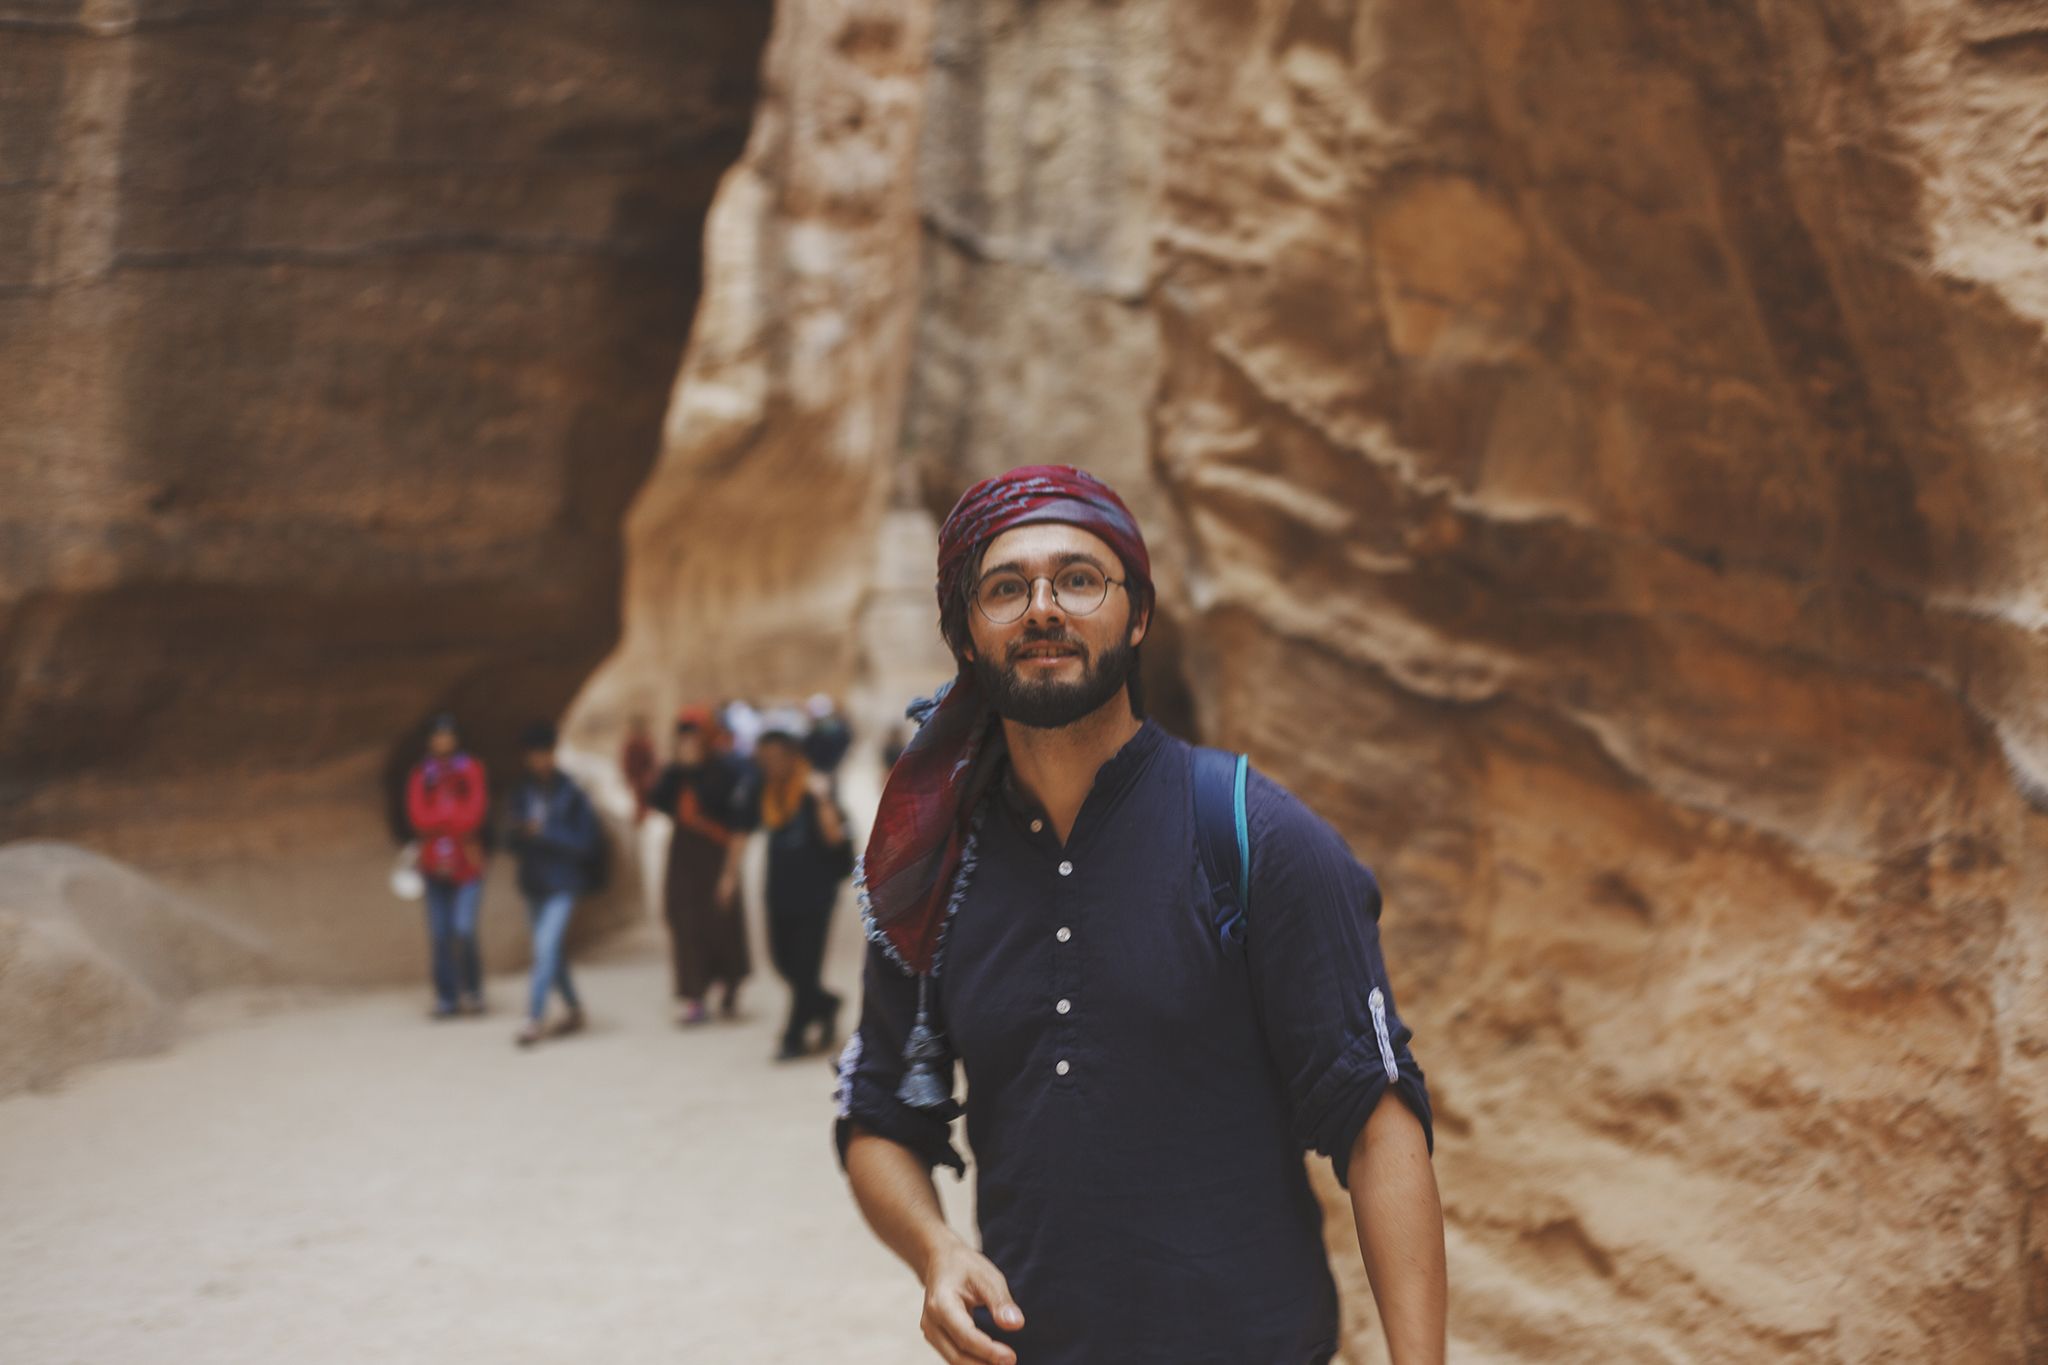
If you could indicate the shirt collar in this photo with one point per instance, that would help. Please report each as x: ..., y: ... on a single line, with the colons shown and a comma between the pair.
x: 1111, y: 778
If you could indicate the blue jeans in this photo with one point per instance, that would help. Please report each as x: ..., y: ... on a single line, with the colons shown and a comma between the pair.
x: 549, y: 915
x: 451, y: 932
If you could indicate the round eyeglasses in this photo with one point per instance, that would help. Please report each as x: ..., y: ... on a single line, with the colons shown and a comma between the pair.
x: 1077, y: 589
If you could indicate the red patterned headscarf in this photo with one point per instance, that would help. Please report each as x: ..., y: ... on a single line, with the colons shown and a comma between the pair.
x: 921, y: 850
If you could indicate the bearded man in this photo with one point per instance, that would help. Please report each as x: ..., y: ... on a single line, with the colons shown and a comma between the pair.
x: 1140, y: 1085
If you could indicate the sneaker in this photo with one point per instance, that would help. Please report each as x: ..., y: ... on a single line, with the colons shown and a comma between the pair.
x: 572, y: 1022
x: 790, y: 1052
x: 440, y: 1012
x: 530, y: 1035
x: 693, y: 1012
x: 472, y: 1004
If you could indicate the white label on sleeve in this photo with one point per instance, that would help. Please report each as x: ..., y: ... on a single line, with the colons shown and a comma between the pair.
x: 1379, y: 1028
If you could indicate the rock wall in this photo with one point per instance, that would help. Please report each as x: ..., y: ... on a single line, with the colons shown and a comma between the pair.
x: 339, y: 339
x: 1595, y: 451
x: 95, y: 960
x: 754, y: 566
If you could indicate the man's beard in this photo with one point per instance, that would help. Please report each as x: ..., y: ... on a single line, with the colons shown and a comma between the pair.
x: 1051, y: 704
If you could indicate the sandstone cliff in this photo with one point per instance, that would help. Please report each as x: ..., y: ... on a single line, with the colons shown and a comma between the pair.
x: 338, y: 338
x: 1593, y: 457
x: 753, y: 559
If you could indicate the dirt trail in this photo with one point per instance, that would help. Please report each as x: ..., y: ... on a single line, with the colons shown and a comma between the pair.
x: 340, y: 1181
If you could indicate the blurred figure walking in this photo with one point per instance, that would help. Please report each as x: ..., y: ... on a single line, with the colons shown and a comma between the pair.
x: 447, y: 800
x: 559, y: 842
x: 829, y: 737
x: 639, y: 766
x: 703, y: 792
x: 809, y: 854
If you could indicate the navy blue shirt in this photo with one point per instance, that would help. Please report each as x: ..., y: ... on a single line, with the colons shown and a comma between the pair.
x: 1139, y: 1091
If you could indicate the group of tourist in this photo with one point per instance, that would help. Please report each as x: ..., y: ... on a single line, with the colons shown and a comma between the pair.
x: 553, y: 831
x: 731, y: 771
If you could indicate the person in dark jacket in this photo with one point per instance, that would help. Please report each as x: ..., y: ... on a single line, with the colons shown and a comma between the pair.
x: 829, y: 737
x: 555, y: 833
x: 809, y: 855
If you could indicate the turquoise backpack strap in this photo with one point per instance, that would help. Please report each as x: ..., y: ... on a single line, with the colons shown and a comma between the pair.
x: 1224, y: 838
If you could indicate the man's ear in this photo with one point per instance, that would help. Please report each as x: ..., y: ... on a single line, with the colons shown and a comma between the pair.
x: 1140, y: 627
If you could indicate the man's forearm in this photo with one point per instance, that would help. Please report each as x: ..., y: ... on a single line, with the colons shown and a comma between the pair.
x: 897, y: 1197
x: 1401, y: 1231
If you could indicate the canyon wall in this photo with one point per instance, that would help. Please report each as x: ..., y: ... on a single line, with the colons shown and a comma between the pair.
x: 756, y: 560
x: 1590, y: 452
x: 1592, y: 455
x: 339, y: 338
x: 1610, y: 442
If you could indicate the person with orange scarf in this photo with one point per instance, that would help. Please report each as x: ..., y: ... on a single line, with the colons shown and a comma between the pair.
x: 809, y: 855
x: 701, y: 791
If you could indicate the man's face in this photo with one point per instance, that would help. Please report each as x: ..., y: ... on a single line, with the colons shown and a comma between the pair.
x: 1050, y: 667
x: 441, y: 744
x: 540, y: 763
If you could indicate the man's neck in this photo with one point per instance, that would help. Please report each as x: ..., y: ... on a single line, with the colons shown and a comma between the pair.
x: 1057, y: 767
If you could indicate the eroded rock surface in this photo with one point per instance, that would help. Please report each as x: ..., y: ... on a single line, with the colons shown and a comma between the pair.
x: 753, y: 557
x: 1592, y: 455
x: 338, y: 340
x: 1610, y: 441
x: 95, y: 959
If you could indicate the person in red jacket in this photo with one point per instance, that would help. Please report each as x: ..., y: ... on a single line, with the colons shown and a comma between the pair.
x: 447, y: 800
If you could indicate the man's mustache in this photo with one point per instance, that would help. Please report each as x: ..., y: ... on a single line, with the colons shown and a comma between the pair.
x: 1055, y: 637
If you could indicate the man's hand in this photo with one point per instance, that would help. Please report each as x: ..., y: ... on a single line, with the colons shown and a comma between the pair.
x: 894, y: 1189
x: 727, y: 896
x: 819, y: 785
x: 956, y: 1279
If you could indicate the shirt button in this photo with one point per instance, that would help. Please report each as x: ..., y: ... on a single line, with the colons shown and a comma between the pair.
x: 1037, y: 825
x: 1064, y: 1006
x: 1062, y: 1068
x: 1064, y: 934
x: 1066, y: 869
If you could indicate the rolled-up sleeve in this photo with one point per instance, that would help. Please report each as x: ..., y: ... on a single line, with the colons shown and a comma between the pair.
x: 871, y: 1067
x: 1321, y: 983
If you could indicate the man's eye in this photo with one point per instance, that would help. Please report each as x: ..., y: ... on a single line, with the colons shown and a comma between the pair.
x: 1079, y: 578
x: 1004, y: 587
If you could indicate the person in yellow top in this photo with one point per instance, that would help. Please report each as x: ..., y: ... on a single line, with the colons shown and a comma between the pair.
x: 809, y: 854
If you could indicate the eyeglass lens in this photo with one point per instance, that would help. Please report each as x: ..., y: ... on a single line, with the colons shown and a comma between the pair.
x: 1006, y: 596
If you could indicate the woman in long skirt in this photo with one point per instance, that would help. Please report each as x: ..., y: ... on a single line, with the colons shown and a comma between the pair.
x: 701, y: 792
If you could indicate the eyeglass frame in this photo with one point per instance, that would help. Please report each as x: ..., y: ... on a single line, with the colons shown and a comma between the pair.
x: 1031, y: 582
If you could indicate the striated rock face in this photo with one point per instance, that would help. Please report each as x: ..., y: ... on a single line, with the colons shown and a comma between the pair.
x: 753, y: 558
x: 1593, y: 455
x: 338, y: 340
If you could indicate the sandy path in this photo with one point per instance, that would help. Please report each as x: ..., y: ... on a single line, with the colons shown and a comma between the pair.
x: 340, y: 1181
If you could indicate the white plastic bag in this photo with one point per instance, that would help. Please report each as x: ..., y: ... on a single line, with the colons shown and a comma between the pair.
x: 406, y: 882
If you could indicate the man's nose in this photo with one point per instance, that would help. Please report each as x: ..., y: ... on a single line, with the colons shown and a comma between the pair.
x: 1044, y: 606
